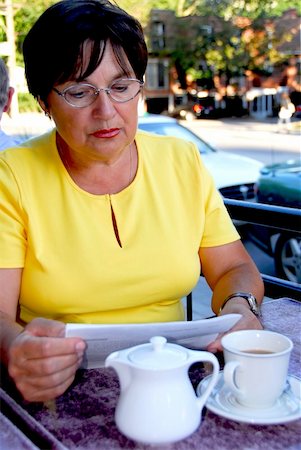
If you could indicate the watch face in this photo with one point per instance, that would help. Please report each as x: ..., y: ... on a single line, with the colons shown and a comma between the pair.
x: 252, y: 302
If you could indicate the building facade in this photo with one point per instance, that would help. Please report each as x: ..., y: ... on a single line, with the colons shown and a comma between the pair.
x: 167, y: 85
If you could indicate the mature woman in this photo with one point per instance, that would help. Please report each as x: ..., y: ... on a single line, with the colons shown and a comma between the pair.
x: 100, y: 223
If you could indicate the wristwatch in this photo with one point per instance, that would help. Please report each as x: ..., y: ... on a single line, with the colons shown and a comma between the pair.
x: 248, y: 297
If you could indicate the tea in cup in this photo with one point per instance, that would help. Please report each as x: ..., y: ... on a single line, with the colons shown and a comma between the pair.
x: 256, y: 366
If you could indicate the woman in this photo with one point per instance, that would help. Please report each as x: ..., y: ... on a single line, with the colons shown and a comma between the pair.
x: 101, y: 223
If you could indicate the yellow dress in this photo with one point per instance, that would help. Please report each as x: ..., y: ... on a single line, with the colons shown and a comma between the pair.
x: 74, y: 269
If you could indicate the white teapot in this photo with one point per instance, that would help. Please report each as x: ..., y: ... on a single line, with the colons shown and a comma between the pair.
x: 157, y: 403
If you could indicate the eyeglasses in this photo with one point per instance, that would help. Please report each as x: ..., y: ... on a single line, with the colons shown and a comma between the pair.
x: 84, y: 94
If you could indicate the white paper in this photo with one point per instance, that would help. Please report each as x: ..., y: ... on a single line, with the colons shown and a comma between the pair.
x: 104, y: 339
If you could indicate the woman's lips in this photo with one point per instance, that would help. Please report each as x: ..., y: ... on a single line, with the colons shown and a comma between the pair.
x: 110, y: 133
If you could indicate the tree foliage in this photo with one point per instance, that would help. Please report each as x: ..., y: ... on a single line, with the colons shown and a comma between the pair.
x: 223, y: 8
x: 25, y: 15
x: 231, y: 50
x: 244, y: 41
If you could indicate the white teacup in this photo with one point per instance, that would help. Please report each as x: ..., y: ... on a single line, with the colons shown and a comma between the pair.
x: 256, y: 366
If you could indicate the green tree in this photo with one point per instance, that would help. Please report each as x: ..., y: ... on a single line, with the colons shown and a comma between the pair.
x: 26, y: 13
x: 226, y: 51
x: 141, y: 8
x: 244, y: 42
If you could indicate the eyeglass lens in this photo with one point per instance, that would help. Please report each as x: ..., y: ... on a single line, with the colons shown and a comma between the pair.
x: 85, y: 94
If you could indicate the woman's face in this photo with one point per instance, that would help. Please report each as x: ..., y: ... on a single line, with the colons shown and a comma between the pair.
x: 102, y: 130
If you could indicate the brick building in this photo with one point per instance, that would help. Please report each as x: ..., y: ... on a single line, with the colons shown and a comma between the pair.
x: 164, y: 87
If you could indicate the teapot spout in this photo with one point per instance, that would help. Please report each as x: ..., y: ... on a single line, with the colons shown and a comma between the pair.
x: 122, y: 369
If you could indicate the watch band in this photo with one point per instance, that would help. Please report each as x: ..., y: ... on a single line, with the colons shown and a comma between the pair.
x: 252, y: 302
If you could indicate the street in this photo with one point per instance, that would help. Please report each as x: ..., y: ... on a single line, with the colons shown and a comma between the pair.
x: 248, y: 137
x: 258, y: 140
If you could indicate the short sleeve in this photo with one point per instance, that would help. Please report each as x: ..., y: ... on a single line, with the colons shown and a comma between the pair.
x: 219, y: 228
x: 12, y: 220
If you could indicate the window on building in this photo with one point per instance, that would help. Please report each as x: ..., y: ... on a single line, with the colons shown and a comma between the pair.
x: 157, y: 74
x: 206, y: 30
x: 158, y: 36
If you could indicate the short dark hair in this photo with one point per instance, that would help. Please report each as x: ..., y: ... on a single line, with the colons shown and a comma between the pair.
x: 54, y: 47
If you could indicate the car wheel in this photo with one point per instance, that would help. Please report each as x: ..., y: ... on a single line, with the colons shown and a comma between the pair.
x: 288, y: 257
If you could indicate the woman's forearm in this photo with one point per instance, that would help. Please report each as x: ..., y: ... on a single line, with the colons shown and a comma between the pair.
x: 243, y: 278
x: 9, y: 330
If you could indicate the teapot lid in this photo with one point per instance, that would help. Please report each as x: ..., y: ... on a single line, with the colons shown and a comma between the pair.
x: 158, y: 354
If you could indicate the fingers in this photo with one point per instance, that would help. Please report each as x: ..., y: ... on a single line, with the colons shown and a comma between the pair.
x: 247, y: 321
x: 47, y: 387
x: 27, y: 346
x: 216, y: 345
x: 44, y: 367
x: 42, y: 363
x: 46, y: 327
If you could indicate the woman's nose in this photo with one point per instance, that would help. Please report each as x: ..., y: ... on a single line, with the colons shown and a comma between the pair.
x: 103, y: 105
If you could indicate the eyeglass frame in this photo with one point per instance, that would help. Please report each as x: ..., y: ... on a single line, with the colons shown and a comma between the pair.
x: 98, y: 90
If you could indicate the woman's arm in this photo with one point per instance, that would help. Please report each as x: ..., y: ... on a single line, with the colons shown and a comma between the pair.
x: 229, y: 269
x: 10, y: 281
x: 40, y: 360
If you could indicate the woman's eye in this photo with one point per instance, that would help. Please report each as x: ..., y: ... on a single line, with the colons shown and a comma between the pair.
x: 119, y: 87
x: 80, y: 92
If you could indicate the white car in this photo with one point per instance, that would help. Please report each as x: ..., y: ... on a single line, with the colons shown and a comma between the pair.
x: 234, y: 175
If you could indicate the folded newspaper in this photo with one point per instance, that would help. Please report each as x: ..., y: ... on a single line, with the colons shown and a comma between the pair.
x: 104, y: 339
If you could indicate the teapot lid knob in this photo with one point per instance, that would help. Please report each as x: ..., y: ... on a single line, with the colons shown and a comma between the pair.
x: 158, y: 354
x: 158, y: 342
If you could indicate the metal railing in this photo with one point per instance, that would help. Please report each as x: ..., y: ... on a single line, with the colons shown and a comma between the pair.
x: 281, y: 219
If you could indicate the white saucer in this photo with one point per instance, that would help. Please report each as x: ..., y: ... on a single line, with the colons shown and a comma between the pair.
x: 223, y: 403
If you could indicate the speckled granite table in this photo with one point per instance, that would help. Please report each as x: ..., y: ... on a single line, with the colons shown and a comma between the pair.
x: 83, y: 418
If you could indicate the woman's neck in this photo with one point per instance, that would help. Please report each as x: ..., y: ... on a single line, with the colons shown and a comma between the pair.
x: 101, y: 177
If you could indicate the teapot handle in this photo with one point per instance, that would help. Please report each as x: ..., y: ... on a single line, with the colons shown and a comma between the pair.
x: 206, y: 357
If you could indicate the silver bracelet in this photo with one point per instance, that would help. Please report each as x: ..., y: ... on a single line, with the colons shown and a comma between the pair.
x: 252, y: 302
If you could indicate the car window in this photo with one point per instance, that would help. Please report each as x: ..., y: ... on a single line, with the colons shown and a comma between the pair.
x: 174, y: 129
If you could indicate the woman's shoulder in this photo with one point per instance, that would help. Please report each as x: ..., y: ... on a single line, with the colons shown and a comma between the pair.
x: 170, y: 154
x: 35, y: 149
x: 165, y: 145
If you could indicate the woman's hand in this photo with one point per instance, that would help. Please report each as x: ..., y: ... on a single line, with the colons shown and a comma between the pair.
x: 42, y: 362
x: 228, y: 269
x: 248, y: 321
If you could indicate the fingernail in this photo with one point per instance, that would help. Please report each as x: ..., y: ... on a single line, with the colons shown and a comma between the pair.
x: 80, y: 348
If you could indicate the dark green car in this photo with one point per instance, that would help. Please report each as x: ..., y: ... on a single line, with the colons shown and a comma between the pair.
x: 280, y: 184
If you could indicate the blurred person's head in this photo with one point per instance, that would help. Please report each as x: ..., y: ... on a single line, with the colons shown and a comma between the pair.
x: 6, y: 91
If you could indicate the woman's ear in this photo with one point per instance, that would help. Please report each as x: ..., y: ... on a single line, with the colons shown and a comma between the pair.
x: 9, y: 99
x: 44, y: 107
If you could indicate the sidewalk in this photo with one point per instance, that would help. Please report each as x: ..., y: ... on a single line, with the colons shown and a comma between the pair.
x: 249, y: 137
x: 248, y: 123
x: 244, y: 126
